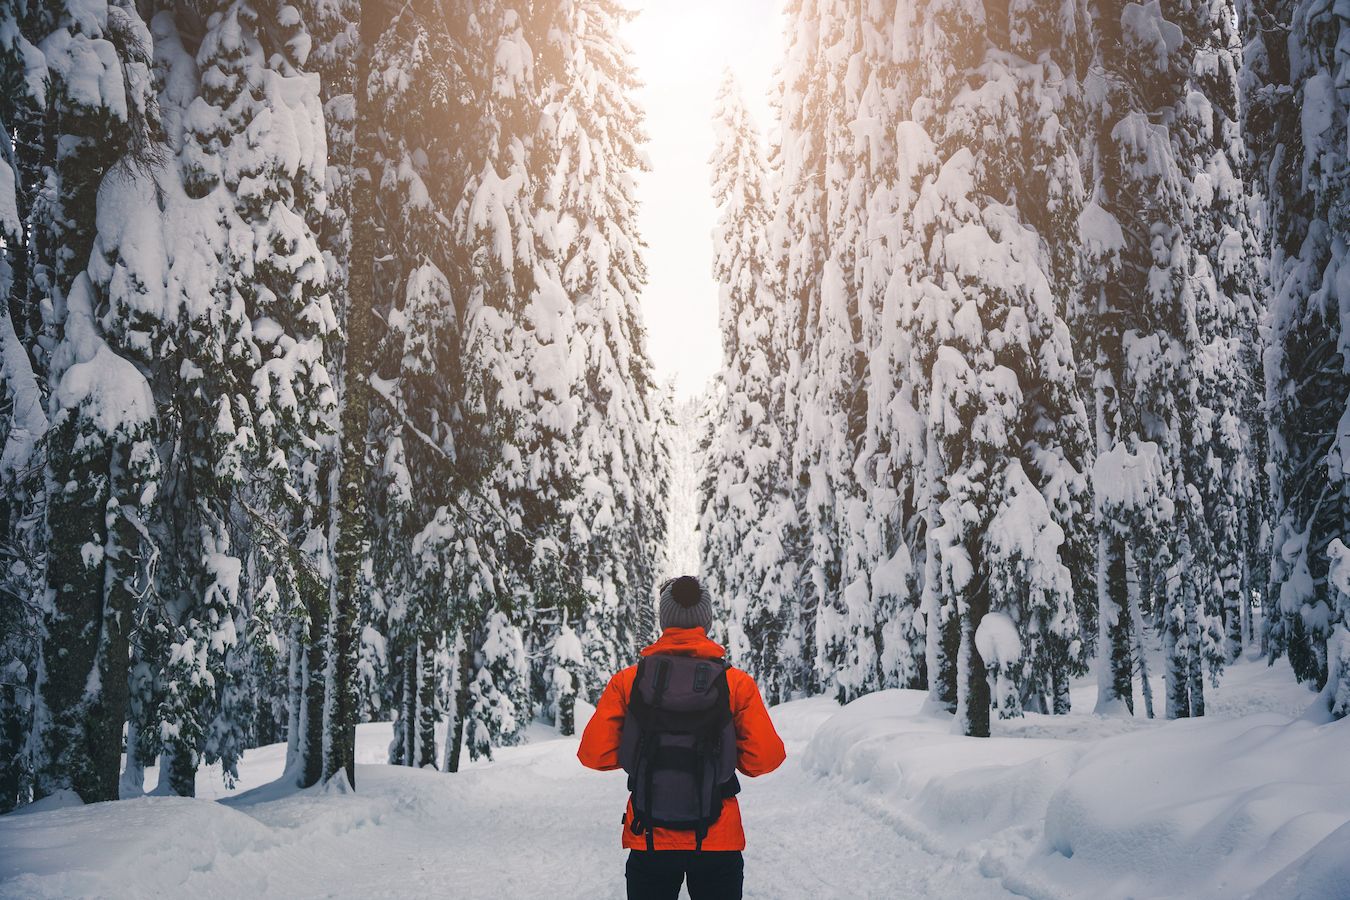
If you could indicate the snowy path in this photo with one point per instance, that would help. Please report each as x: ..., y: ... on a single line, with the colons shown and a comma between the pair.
x: 531, y: 824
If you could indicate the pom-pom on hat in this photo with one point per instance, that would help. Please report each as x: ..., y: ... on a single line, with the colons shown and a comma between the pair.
x: 685, y: 604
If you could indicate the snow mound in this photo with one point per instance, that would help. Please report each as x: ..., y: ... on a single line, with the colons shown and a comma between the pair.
x: 1322, y: 872
x: 62, y: 799
x: 1204, y: 808
x: 933, y: 785
x: 1196, y: 808
x: 152, y: 846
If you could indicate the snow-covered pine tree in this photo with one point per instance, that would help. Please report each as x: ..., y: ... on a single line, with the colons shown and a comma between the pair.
x: 1296, y: 120
x: 1221, y: 336
x: 419, y: 591
x: 832, y: 412
x: 798, y: 245
x: 499, y: 698
x: 1168, y: 242
x: 997, y: 380
x: 478, y: 375
x: 1056, y: 43
x: 23, y: 425
x: 214, y: 282
x: 343, y: 32
x: 890, y: 464
x: 83, y: 105
x: 683, y: 426
x: 1133, y: 276
x: 587, y: 157
x: 519, y: 404
x: 749, y: 509
x: 567, y: 671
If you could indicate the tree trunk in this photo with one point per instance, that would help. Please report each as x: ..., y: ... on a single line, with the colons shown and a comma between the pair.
x: 408, y: 715
x: 426, y: 702
x: 350, y: 509
x: 84, y: 647
x: 181, y: 771
x: 973, y: 705
x: 1115, y: 679
x: 1137, y: 617
x: 1194, y: 661
x: 1060, y: 686
x: 456, y: 732
x: 1234, y: 612
x: 295, y: 698
x: 315, y: 680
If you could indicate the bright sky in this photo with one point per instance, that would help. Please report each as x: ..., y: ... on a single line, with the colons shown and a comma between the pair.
x: 680, y: 48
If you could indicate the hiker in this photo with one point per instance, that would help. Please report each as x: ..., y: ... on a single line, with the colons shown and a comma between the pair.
x: 680, y: 723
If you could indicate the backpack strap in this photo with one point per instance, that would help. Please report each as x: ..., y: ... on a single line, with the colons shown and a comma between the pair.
x: 636, y: 702
x: 662, y: 680
x: 702, y: 829
x: 650, y: 753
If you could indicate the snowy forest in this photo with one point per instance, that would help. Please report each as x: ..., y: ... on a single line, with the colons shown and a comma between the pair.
x: 325, y: 394
x: 1036, y: 352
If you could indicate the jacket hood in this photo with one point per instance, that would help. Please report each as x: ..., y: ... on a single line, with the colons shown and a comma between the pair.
x: 686, y: 642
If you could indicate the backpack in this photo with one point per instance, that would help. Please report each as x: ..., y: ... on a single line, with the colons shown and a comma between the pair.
x: 678, y: 744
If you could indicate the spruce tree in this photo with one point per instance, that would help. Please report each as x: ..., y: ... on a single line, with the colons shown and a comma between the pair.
x: 517, y: 405
x: 23, y: 425
x: 587, y: 156
x: 1296, y: 124
x: 749, y: 509
x: 799, y: 250
x: 1220, y: 336
x: 216, y: 285
x: 100, y: 469
x: 1005, y: 425
x: 890, y: 462
x: 342, y: 35
x: 419, y: 587
x: 1136, y: 249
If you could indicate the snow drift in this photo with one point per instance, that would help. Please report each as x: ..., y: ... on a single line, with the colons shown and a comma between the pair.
x: 1257, y: 805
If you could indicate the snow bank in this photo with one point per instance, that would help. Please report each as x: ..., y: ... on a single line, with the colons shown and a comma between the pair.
x: 1197, y: 808
x: 406, y: 832
x: 935, y: 786
x: 1324, y: 871
x: 150, y: 846
x: 1257, y: 805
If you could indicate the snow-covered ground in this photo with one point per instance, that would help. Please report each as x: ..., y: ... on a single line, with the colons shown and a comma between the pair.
x: 1250, y: 801
x: 876, y: 800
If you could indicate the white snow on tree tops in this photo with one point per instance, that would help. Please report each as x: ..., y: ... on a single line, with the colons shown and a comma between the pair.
x: 10, y: 226
x: 1102, y: 236
x: 110, y: 392
x: 1132, y: 480
x: 29, y: 420
x: 86, y: 63
x: 997, y: 640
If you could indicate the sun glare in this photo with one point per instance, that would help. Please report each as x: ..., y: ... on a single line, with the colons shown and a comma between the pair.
x: 680, y: 50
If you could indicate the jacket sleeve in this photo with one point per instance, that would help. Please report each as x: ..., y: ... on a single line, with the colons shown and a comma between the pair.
x: 759, y: 749
x: 599, y: 747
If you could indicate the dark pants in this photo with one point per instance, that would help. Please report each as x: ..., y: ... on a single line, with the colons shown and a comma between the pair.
x: 656, y: 874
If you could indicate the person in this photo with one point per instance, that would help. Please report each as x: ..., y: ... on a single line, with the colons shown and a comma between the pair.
x: 706, y: 849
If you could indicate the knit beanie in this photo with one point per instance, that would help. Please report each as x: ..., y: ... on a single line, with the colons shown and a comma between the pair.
x: 685, y: 604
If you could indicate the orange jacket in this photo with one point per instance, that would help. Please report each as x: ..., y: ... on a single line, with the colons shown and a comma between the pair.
x: 759, y: 748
